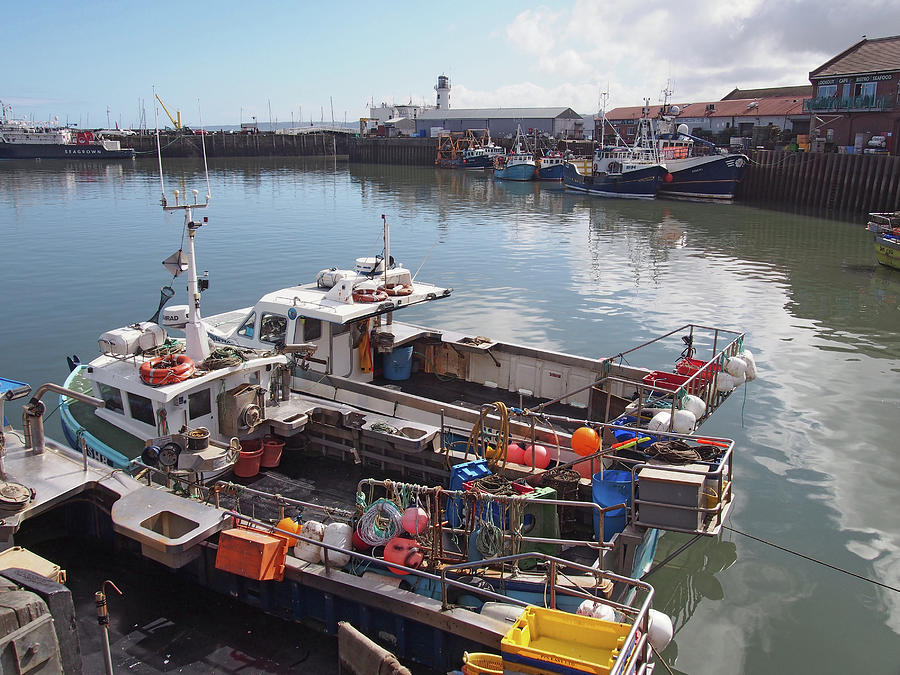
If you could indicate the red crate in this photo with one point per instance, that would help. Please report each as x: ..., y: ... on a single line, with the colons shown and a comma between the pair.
x: 667, y: 381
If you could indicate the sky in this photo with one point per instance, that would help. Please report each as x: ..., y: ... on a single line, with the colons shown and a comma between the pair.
x: 91, y: 61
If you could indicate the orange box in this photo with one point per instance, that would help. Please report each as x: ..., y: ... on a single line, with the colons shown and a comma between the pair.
x: 252, y: 554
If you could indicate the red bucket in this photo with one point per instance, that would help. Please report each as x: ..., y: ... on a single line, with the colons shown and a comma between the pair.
x: 247, y: 464
x: 271, y: 452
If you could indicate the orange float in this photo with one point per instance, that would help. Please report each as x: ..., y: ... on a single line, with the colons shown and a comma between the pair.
x: 163, y: 370
x: 369, y: 295
x: 585, y: 441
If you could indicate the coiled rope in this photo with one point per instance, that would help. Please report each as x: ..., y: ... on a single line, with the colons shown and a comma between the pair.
x: 380, y: 523
x: 223, y: 357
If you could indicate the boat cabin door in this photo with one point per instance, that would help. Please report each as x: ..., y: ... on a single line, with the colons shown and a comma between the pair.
x: 333, y: 345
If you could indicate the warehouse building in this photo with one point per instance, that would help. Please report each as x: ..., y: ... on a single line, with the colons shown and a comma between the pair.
x: 502, y: 122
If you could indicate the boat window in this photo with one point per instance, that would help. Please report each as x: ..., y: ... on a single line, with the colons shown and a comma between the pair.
x: 247, y: 329
x: 199, y: 404
x: 112, y: 397
x: 339, y: 329
x: 141, y: 408
x: 272, y: 327
x: 312, y: 329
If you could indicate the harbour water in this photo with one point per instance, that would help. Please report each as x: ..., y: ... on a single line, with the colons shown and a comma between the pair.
x: 818, y: 461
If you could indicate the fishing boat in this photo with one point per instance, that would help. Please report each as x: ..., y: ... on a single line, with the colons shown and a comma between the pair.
x: 697, y: 169
x: 503, y: 464
x: 519, y: 164
x: 885, y: 229
x: 20, y: 139
x: 550, y: 166
x: 252, y: 546
x: 476, y: 158
x: 620, y: 170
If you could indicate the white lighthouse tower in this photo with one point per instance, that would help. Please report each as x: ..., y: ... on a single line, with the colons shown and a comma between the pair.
x: 443, y: 92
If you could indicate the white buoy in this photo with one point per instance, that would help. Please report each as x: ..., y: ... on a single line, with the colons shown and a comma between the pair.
x: 748, y: 357
x: 735, y: 366
x: 694, y: 404
x: 684, y: 421
x: 338, y: 534
x: 597, y: 610
x: 660, y: 631
x: 312, y: 529
x: 724, y: 382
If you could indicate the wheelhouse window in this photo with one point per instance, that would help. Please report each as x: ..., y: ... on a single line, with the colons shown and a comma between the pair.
x: 247, y: 329
x: 112, y: 397
x: 141, y: 408
x: 272, y: 328
x: 199, y: 404
x: 339, y: 329
x: 312, y: 329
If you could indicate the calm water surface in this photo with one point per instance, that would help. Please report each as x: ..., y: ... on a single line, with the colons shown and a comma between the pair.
x: 817, y: 464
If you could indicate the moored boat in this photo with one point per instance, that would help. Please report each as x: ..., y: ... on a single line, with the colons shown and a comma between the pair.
x: 519, y: 164
x: 697, y: 168
x: 885, y: 229
x: 23, y: 140
x: 550, y: 166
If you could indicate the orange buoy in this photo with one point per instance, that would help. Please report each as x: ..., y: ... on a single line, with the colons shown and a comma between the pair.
x: 585, y: 441
x: 403, y: 551
x: 289, y: 525
x: 166, y: 370
x: 369, y: 295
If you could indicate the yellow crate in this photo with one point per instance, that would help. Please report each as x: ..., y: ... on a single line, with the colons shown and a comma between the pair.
x: 569, y: 643
x: 16, y: 556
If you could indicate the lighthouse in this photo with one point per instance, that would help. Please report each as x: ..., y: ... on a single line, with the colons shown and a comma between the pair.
x: 443, y: 92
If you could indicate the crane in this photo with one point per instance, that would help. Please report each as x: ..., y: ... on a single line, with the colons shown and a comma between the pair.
x: 176, y: 121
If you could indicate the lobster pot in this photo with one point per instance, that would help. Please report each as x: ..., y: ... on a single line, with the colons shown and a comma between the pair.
x: 338, y: 534
x: 312, y: 529
x: 398, y: 363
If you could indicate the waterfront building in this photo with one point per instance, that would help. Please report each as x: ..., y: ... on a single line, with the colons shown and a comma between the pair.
x: 559, y: 122
x: 780, y: 107
x: 856, y: 98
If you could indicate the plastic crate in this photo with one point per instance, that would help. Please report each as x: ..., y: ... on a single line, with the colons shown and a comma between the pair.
x: 690, y: 367
x: 494, y: 516
x: 549, y: 640
x: 252, y: 554
x: 665, y: 381
x: 463, y: 473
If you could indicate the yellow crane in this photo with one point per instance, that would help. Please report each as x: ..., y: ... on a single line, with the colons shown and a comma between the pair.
x: 176, y: 121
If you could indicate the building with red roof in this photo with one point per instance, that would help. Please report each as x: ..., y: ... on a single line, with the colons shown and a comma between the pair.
x: 856, y: 98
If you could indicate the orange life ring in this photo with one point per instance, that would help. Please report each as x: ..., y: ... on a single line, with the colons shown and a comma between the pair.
x: 369, y: 295
x: 397, y: 289
x: 167, y: 370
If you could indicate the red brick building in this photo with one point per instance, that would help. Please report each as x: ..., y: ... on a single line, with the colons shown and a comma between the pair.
x: 856, y: 97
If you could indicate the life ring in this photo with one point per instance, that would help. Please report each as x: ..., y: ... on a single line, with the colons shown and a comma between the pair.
x: 369, y: 295
x: 595, y: 167
x: 614, y: 167
x: 397, y: 289
x: 167, y: 370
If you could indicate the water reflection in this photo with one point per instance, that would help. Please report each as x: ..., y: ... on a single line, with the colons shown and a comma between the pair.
x: 534, y: 264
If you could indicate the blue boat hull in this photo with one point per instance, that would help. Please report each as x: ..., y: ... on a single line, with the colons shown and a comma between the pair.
x: 639, y: 184
x: 516, y: 172
x: 554, y: 172
x: 713, y: 177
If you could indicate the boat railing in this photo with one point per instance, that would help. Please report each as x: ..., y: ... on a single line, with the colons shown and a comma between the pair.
x: 883, y: 223
x: 479, y: 505
x: 558, y: 570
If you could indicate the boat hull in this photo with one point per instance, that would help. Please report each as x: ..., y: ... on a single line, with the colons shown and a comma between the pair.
x: 483, y: 162
x: 887, y: 251
x: 554, y: 172
x: 516, y: 172
x: 637, y: 184
x: 704, y: 177
x: 61, y: 151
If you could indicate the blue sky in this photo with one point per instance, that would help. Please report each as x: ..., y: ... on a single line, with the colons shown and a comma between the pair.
x: 73, y: 60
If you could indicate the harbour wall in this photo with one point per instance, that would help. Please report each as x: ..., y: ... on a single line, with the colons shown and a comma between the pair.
x: 410, y: 151
x: 822, y: 182
x: 263, y: 144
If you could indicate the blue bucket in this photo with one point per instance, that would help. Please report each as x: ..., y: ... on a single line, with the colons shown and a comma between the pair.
x: 398, y: 364
x: 614, y: 487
